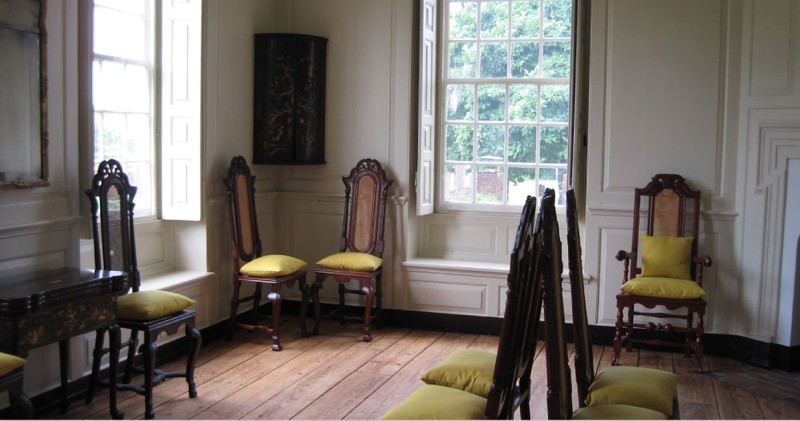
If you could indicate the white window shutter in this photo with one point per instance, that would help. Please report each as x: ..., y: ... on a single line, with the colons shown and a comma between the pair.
x: 426, y: 161
x: 180, y: 110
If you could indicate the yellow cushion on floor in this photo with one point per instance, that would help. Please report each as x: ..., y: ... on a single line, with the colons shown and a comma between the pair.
x: 470, y: 370
x: 150, y: 305
x: 431, y: 402
x: 9, y: 363
x: 637, y: 386
x: 272, y: 265
x: 361, y: 262
x: 663, y: 288
x: 617, y: 412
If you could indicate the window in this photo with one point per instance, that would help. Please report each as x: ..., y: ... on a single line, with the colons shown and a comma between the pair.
x: 145, y: 78
x: 503, y: 119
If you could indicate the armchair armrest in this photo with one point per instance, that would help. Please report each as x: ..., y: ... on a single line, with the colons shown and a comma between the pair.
x: 700, y: 262
x: 626, y: 257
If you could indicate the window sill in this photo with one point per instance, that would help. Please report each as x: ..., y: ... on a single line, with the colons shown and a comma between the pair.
x: 173, y: 280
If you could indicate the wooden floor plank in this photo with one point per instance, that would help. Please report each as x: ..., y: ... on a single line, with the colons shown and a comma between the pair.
x: 738, y: 402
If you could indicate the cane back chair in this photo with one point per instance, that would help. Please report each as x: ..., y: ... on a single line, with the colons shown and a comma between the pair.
x: 481, y: 385
x: 671, y: 272
x: 617, y: 386
x: 361, y: 245
x: 150, y: 312
x: 273, y: 270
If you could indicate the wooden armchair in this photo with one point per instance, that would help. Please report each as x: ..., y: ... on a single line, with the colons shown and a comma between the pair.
x: 149, y: 312
x: 273, y: 270
x: 671, y: 274
x: 482, y: 385
x: 361, y: 245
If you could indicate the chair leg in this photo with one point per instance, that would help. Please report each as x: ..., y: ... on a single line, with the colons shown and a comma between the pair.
x: 275, y: 297
x: 315, y: 298
x: 698, y: 347
x: 21, y: 405
x: 341, y: 303
x: 304, y: 292
x: 256, y: 300
x: 97, y: 356
x: 234, y: 308
x: 133, y: 343
x: 114, y: 343
x: 629, y: 330
x: 688, y: 344
x: 149, y: 353
x: 195, y: 341
x: 378, y: 301
x: 367, y: 290
x: 617, y: 336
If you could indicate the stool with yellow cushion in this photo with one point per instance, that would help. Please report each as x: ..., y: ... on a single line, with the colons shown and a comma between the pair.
x: 11, y: 377
x: 273, y: 270
x: 671, y: 272
x: 361, y: 244
x: 149, y: 312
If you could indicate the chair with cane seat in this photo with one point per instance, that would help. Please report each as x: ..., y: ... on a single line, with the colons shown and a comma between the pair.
x: 150, y: 312
x: 671, y: 272
x: 497, y: 385
x: 361, y: 245
x: 272, y: 270
x: 636, y: 386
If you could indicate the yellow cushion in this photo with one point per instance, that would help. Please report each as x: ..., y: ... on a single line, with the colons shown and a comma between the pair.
x: 617, y: 412
x: 637, y: 386
x: 361, y: 262
x: 9, y: 363
x: 466, y: 369
x: 272, y: 265
x: 150, y: 305
x: 431, y: 402
x: 666, y: 257
x: 663, y: 288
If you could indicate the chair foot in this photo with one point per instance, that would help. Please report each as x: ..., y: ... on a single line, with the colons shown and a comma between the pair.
x: 276, y: 344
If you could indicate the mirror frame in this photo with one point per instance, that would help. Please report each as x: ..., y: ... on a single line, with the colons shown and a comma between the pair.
x: 42, y: 181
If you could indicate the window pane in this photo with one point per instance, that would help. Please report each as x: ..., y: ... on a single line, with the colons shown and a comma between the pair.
x: 522, y: 144
x: 557, y: 18
x: 463, y: 20
x: 525, y: 59
x: 458, y: 183
x: 462, y: 58
x: 460, y: 141
x: 522, y: 103
x: 521, y: 184
x: 490, y: 184
x: 525, y: 19
x: 556, y: 59
x: 553, y: 148
x: 555, y: 103
x: 120, y: 34
x: 494, y: 60
x: 491, y: 102
x: 556, y: 179
x: 491, y: 143
x: 460, y: 103
x: 494, y: 20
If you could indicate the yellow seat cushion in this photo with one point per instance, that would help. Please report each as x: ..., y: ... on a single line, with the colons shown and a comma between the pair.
x: 617, y: 412
x: 431, y: 402
x: 666, y: 257
x: 9, y: 363
x: 151, y: 305
x: 470, y: 370
x: 361, y: 262
x: 636, y: 386
x: 663, y: 288
x: 272, y: 265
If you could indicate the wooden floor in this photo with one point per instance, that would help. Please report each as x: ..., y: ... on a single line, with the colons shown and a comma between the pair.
x: 337, y: 376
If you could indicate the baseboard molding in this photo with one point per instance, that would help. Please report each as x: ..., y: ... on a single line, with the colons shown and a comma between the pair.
x: 742, y: 349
